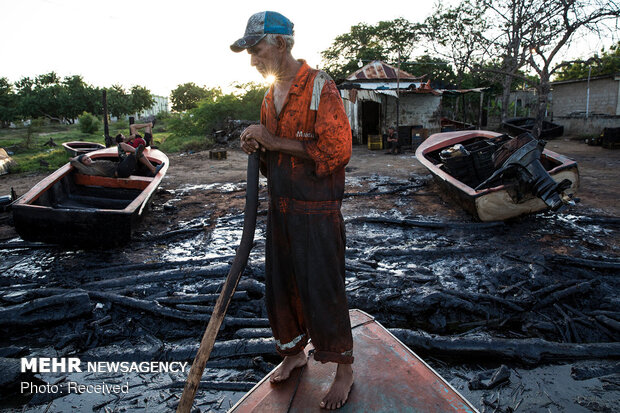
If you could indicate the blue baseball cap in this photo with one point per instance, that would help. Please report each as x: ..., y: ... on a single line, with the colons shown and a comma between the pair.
x: 259, y: 25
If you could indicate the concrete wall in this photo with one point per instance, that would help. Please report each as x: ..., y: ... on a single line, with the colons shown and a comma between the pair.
x: 570, y: 98
x: 592, y: 126
x: 415, y: 109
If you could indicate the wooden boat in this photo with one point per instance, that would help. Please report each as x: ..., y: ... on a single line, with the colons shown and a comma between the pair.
x: 76, y: 148
x: 5, y: 162
x: 68, y: 207
x: 516, y: 126
x: 389, y: 377
x: 499, y: 202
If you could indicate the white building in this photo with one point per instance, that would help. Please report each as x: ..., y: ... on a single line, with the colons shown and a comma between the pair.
x: 160, y: 104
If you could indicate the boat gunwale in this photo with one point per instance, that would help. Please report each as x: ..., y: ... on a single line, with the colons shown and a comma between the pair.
x: 73, y: 145
x: 446, y: 139
x: 27, y: 200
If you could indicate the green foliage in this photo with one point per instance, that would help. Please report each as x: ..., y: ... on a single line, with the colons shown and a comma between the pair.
x: 77, y: 97
x: 170, y: 143
x: 435, y: 69
x: 8, y: 103
x: 386, y: 41
x: 200, y: 121
x: 455, y: 34
x: 36, y: 156
x: 88, y: 123
x: 140, y: 99
x: 34, y: 127
x: 188, y: 95
x: 606, y: 64
x: 118, y: 102
x: 48, y: 160
x: 121, y: 103
x: 63, y: 100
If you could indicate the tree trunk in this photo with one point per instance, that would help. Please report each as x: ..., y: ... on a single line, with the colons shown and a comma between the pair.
x: 542, y: 91
x: 507, y: 82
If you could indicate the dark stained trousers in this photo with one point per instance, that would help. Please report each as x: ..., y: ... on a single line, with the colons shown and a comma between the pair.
x: 126, y: 166
x: 305, y: 291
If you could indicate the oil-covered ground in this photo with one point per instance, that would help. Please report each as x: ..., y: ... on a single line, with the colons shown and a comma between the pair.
x: 517, y: 316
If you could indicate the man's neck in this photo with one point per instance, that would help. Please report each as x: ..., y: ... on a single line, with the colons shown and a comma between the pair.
x: 288, y: 70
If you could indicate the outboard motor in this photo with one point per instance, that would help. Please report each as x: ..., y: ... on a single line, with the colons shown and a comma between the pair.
x: 521, y: 155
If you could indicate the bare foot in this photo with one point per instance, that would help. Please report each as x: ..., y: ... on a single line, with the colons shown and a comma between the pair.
x: 339, y: 391
x: 289, y: 364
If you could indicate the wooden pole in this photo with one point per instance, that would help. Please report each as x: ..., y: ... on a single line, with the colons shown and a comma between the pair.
x: 106, y: 127
x: 480, y: 110
x: 236, y: 270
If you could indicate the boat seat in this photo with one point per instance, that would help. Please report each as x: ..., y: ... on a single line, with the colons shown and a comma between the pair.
x: 132, y: 182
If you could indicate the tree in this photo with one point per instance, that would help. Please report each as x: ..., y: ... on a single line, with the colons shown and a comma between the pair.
x: 437, y: 70
x: 533, y: 33
x: 188, y: 95
x: 389, y: 41
x: 504, y: 42
x: 49, y: 96
x: 26, y: 101
x: 118, y: 101
x: 121, y: 103
x: 244, y: 104
x: 77, y: 97
x: 606, y: 64
x: 43, y: 96
x: 140, y: 99
x: 455, y: 34
x: 555, y: 29
x: 8, y: 103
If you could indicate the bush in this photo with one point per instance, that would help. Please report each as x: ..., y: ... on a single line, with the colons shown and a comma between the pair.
x: 244, y: 104
x: 88, y: 123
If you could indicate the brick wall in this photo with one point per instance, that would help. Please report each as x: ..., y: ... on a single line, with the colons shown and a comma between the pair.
x: 572, y: 97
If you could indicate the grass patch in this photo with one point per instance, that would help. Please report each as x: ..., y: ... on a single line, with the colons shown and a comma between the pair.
x: 172, y: 143
x: 31, y: 153
x: 48, y: 160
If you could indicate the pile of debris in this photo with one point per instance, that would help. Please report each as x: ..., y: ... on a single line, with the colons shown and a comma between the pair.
x: 230, y: 131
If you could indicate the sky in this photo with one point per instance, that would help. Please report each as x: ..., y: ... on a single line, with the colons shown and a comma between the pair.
x: 160, y: 44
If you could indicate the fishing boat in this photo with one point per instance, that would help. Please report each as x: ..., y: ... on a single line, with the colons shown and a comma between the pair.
x: 517, y: 126
x: 481, y: 189
x: 76, y: 148
x: 389, y: 377
x: 68, y: 207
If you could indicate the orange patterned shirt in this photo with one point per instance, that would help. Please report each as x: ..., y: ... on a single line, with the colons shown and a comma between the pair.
x: 314, y: 114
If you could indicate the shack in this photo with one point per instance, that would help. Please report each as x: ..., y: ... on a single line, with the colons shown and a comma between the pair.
x: 379, y: 95
x: 587, y: 106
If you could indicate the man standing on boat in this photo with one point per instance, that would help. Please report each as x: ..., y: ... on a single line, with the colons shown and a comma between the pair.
x: 305, y: 142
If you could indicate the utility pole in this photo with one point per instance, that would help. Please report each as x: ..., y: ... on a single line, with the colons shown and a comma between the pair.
x: 398, y: 96
x: 588, y: 92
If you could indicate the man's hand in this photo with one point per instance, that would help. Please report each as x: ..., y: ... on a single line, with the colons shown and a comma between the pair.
x: 255, y: 136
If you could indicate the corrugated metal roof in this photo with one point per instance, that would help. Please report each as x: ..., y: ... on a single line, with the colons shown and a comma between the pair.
x: 379, y: 70
x: 462, y: 91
